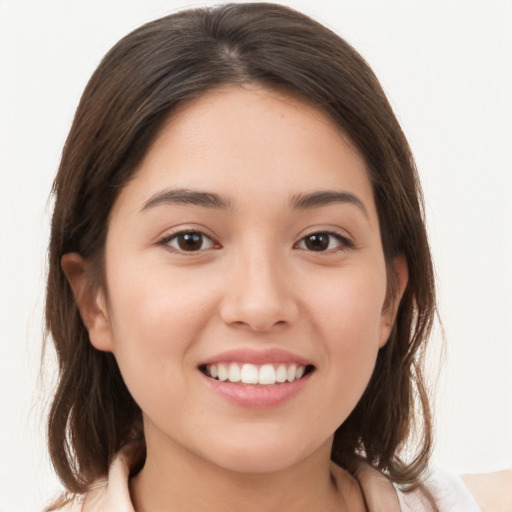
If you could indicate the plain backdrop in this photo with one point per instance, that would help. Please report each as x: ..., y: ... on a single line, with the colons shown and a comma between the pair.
x: 446, y: 67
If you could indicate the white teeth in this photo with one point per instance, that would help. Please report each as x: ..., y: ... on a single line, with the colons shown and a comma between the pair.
x: 247, y: 373
x: 290, y: 374
x: 281, y: 373
x: 267, y: 375
x: 222, y: 372
x: 234, y: 373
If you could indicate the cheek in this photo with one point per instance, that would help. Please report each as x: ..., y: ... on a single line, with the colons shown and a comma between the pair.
x: 349, y: 309
x: 349, y: 318
x: 157, y: 310
x: 156, y: 320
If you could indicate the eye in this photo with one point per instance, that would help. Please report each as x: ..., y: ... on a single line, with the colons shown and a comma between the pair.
x: 323, y: 241
x: 188, y: 241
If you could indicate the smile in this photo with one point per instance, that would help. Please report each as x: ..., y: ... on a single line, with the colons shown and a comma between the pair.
x: 257, y: 378
x: 263, y: 375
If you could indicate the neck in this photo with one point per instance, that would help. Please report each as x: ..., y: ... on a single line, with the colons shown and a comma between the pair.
x: 174, y: 479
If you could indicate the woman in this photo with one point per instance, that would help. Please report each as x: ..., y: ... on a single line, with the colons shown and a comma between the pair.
x: 240, y: 284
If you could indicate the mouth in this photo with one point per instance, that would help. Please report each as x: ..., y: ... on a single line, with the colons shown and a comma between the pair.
x: 268, y: 374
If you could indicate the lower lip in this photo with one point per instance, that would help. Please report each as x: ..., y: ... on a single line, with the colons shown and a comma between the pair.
x: 257, y: 397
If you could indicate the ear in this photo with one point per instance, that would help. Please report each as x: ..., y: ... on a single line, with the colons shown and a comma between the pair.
x: 400, y: 277
x: 90, y: 300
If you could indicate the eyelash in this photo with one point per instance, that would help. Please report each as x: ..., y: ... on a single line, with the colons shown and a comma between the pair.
x: 167, y: 241
x: 343, y: 243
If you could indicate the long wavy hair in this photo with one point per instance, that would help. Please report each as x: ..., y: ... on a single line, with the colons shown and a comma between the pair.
x: 129, y: 97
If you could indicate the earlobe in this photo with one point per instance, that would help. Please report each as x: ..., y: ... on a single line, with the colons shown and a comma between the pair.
x: 90, y: 300
x: 396, y: 291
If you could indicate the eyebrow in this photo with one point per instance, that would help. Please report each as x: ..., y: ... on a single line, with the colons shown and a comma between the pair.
x: 188, y: 197
x: 302, y: 201
x: 325, y: 198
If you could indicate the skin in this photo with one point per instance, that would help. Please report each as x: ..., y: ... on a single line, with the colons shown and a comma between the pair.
x: 492, y: 491
x: 253, y: 283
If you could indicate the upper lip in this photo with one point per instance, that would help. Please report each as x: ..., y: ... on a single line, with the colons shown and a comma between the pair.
x: 258, y: 357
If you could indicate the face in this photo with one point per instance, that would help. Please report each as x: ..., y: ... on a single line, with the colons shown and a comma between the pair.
x: 247, y: 246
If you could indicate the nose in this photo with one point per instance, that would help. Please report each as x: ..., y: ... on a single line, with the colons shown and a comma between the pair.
x: 259, y: 295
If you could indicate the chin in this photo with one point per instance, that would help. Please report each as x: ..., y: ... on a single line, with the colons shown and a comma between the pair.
x: 266, y: 456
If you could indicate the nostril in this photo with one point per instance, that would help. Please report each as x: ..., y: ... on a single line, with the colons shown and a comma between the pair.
x: 258, y: 325
x: 258, y: 306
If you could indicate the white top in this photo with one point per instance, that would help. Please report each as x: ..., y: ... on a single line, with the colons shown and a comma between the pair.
x: 450, y: 491
x: 452, y: 495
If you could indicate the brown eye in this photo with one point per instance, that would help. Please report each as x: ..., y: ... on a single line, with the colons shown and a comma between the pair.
x: 323, y: 241
x: 189, y: 241
x: 317, y: 242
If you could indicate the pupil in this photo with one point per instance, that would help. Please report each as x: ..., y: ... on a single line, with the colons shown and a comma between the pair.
x: 317, y: 242
x: 190, y: 241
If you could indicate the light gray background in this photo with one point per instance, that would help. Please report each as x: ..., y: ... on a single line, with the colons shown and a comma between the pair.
x: 446, y: 66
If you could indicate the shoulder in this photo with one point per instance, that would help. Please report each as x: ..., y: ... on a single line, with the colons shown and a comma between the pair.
x: 492, y: 491
x: 91, y: 501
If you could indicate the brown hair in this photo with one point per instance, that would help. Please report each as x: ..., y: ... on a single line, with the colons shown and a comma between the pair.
x: 136, y: 86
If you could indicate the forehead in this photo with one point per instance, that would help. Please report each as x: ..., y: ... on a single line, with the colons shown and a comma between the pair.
x: 250, y: 142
